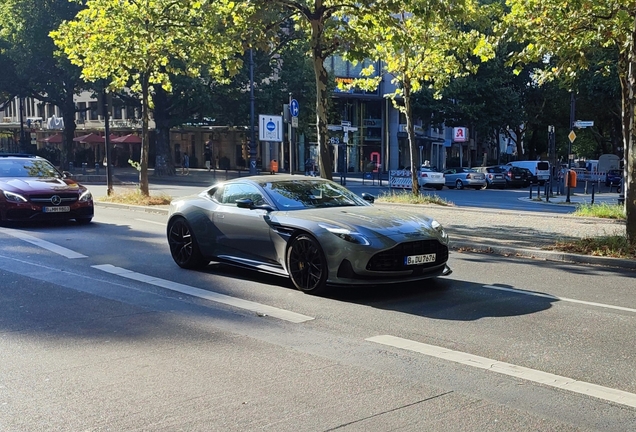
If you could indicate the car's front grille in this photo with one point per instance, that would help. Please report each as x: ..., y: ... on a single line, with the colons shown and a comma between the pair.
x: 393, y: 259
x: 65, y: 198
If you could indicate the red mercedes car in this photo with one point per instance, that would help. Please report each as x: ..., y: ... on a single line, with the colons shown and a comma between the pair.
x: 32, y: 189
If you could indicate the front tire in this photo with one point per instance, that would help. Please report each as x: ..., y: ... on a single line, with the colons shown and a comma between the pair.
x: 183, y: 245
x: 307, y: 265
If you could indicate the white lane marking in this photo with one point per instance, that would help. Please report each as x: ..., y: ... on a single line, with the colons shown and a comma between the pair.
x: 151, y: 222
x: 43, y: 243
x: 208, y: 295
x: 545, y: 378
x: 564, y: 299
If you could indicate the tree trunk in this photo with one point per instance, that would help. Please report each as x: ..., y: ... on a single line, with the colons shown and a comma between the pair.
x: 629, y: 175
x: 161, y: 115
x: 410, y: 132
x: 322, y: 99
x: 143, y: 172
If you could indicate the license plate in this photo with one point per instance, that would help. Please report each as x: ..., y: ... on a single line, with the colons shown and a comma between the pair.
x: 419, y: 259
x: 60, y: 209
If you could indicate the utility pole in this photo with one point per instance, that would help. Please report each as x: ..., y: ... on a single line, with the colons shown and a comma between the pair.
x: 572, y: 136
x: 252, y: 132
x: 109, y: 171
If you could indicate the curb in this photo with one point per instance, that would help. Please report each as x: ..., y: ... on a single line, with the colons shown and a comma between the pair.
x: 541, y: 254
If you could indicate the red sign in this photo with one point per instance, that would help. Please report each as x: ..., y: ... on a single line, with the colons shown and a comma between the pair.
x: 460, y: 134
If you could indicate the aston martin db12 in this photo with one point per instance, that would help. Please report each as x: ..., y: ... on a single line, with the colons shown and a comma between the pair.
x: 312, y: 230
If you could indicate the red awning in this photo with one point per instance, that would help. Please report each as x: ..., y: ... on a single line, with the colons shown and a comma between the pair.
x: 54, y: 139
x: 90, y: 138
x: 130, y: 138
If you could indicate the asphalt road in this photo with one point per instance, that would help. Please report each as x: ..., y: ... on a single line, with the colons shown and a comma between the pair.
x: 100, y: 330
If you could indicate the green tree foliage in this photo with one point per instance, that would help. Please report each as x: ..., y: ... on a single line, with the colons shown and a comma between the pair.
x: 139, y: 44
x: 29, y: 66
x: 325, y: 24
x: 566, y: 36
x: 419, y: 44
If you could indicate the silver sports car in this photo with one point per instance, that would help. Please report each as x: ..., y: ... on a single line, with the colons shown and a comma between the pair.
x: 313, y: 230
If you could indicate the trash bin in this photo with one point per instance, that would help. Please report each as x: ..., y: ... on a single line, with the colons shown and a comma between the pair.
x: 273, y: 166
x: 571, y: 179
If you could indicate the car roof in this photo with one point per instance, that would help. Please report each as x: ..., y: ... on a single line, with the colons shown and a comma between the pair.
x: 19, y: 156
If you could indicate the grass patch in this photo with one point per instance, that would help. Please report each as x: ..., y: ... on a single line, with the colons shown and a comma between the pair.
x: 604, y: 210
x: 615, y: 246
x: 407, y: 197
x: 135, y: 197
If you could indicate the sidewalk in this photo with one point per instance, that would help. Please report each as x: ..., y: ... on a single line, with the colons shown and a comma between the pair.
x: 501, y: 232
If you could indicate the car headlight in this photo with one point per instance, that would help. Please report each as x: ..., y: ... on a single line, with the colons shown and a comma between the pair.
x: 347, y: 235
x: 14, y: 197
x: 440, y: 229
x: 86, y: 196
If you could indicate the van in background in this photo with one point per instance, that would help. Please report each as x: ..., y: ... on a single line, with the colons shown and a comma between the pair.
x: 540, y: 169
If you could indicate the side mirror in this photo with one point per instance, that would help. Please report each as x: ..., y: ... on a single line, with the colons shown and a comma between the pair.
x: 66, y: 174
x: 247, y: 203
x: 368, y: 197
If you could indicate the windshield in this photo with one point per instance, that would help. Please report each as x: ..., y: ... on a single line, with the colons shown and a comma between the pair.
x: 27, y: 168
x: 315, y: 193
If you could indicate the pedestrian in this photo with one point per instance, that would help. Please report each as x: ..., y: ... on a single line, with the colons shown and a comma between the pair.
x: 308, y: 166
x: 185, y: 164
x: 207, y: 153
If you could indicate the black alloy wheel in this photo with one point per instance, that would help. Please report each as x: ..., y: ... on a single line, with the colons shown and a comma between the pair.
x: 307, y: 265
x: 183, y: 245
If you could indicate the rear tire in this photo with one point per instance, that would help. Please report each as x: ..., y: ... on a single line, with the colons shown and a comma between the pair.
x: 83, y: 221
x: 307, y: 264
x: 459, y: 184
x: 183, y: 245
x: 439, y: 187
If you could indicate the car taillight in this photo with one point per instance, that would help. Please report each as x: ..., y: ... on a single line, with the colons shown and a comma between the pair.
x: 489, y: 176
x: 423, y: 175
x: 509, y: 174
x: 467, y: 176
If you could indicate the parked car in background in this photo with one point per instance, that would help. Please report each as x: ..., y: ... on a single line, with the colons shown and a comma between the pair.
x: 427, y: 177
x: 32, y: 189
x: 494, y: 176
x: 540, y: 169
x: 613, y: 177
x: 515, y: 176
x: 464, y: 177
x: 529, y: 177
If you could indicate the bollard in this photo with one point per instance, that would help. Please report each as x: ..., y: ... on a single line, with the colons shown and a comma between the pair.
x: 547, y: 192
x: 538, y: 191
x: 84, y: 168
x: 530, y: 191
x: 96, y: 168
x: 585, y: 191
x: 71, y: 167
x: 592, y: 193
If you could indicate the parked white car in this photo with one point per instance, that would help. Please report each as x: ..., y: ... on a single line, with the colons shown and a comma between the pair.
x: 429, y: 178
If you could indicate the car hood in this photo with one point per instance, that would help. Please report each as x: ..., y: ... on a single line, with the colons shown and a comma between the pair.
x: 30, y: 185
x: 397, y: 224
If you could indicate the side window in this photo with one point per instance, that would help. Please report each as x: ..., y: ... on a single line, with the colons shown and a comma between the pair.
x: 233, y: 192
x: 216, y: 194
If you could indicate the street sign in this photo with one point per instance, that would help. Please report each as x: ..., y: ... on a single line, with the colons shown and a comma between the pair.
x: 294, y: 122
x: 583, y: 124
x: 294, y: 109
x: 270, y: 128
x: 345, y: 123
x: 572, y: 136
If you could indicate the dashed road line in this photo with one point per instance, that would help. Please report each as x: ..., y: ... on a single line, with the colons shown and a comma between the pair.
x: 43, y: 243
x: 545, y: 378
x: 563, y: 299
x: 259, y: 308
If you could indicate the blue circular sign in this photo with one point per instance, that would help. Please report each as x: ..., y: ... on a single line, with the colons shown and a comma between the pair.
x: 294, y: 108
x: 271, y: 126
